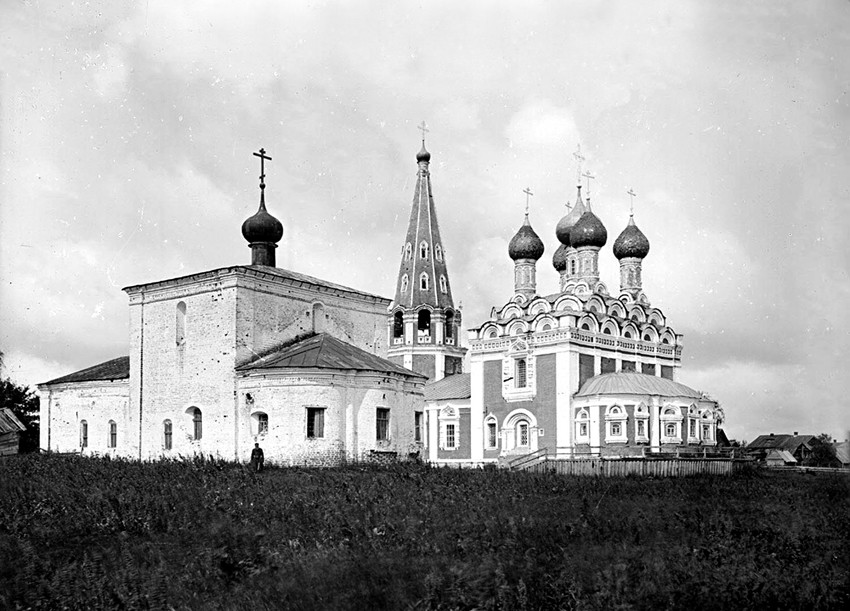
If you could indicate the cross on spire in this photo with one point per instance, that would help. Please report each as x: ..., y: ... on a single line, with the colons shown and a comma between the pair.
x: 528, y: 194
x: 632, y: 196
x: 262, y: 155
x: 579, y: 158
x: 589, y: 177
x: 424, y: 129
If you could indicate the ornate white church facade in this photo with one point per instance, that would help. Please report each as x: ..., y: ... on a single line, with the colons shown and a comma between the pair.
x: 318, y: 373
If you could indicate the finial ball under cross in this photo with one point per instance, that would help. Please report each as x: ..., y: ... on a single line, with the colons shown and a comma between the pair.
x: 424, y: 129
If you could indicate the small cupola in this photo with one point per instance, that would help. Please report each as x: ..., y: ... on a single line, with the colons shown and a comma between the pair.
x: 262, y: 230
x: 631, y: 242
x: 526, y: 244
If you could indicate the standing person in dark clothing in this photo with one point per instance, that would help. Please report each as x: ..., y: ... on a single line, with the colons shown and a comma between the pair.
x: 257, y: 458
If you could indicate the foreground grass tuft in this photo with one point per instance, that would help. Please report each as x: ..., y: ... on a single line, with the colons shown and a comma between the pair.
x: 88, y: 533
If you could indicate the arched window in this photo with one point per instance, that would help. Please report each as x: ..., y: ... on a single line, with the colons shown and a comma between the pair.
x: 582, y: 421
x: 318, y: 318
x: 520, y: 373
x: 423, y: 281
x: 450, y: 324
x: 438, y: 252
x: 112, y: 440
x: 522, y: 439
x: 180, y: 333
x: 491, y: 433
x: 167, y: 434
x: 261, y: 423
x: 84, y: 434
x: 546, y: 327
x: 573, y: 266
x: 197, y: 423
x: 408, y: 251
x: 627, y: 334
x: 423, y: 323
x: 404, y: 282
x: 423, y: 249
x: 585, y: 326
x: 398, y: 325
x: 443, y: 284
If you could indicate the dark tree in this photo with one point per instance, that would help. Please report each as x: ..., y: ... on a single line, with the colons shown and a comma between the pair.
x: 24, y: 404
x: 823, y: 454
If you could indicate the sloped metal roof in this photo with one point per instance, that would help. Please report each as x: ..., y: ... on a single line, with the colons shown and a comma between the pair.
x: 780, y: 442
x: 785, y: 455
x: 451, y: 387
x: 635, y: 384
x: 9, y: 423
x: 116, y: 369
x: 324, y: 351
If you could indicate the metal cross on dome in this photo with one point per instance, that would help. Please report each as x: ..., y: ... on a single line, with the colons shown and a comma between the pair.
x: 424, y: 129
x: 589, y: 177
x: 262, y: 155
x: 528, y: 194
x: 579, y: 158
x: 632, y: 196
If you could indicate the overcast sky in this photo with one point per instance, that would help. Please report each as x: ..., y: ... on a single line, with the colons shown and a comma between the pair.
x: 126, y: 133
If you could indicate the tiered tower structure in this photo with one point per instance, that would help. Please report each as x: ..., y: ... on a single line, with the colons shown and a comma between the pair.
x: 423, y: 321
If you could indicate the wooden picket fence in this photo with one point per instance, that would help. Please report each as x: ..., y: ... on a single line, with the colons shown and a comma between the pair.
x: 642, y: 466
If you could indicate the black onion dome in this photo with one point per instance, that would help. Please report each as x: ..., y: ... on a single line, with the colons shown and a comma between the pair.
x: 423, y: 155
x: 526, y: 244
x: 562, y: 229
x: 262, y: 227
x: 631, y: 242
x: 588, y: 231
x: 559, y: 259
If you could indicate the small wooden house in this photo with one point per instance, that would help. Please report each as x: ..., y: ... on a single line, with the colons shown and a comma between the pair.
x: 10, y: 432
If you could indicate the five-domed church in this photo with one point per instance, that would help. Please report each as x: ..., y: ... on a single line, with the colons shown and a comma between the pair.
x: 319, y: 373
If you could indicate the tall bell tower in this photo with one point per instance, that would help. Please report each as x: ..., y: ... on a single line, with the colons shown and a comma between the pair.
x: 423, y: 323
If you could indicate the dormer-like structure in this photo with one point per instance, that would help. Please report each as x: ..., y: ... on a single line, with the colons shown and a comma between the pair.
x: 423, y: 321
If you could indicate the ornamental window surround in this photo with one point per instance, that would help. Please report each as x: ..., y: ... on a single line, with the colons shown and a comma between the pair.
x: 641, y: 423
x: 408, y: 251
x: 582, y: 426
x: 438, y: 252
x: 423, y: 281
x: 423, y: 250
x: 404, y: 283
x: 616, y: 420
x: 443, y: 284
x: 449, y: 428
x: 671, y: 425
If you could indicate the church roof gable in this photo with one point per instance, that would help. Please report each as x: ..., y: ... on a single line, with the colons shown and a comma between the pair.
x: 115, y: 369
x: 635, y: 384
x: 323, y: 351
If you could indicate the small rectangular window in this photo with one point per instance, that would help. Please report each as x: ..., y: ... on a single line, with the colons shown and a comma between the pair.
x: 113, y: 434
x: 450, y: 437
x: 608, y: 365
x: 84, y: 434
x: 382, y: 424
x: 582, y: 429
x: 262, y: 424
x: 417, y: 426
x: 167, y: 432
x: 670, y: 430
x: 491, y: 434
x: 667, y: 372
x: 616, y: 429
x: 641, y: 428
x: 315, y: 422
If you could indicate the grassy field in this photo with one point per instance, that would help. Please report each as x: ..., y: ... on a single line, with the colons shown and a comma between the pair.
x: 87, y: 533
